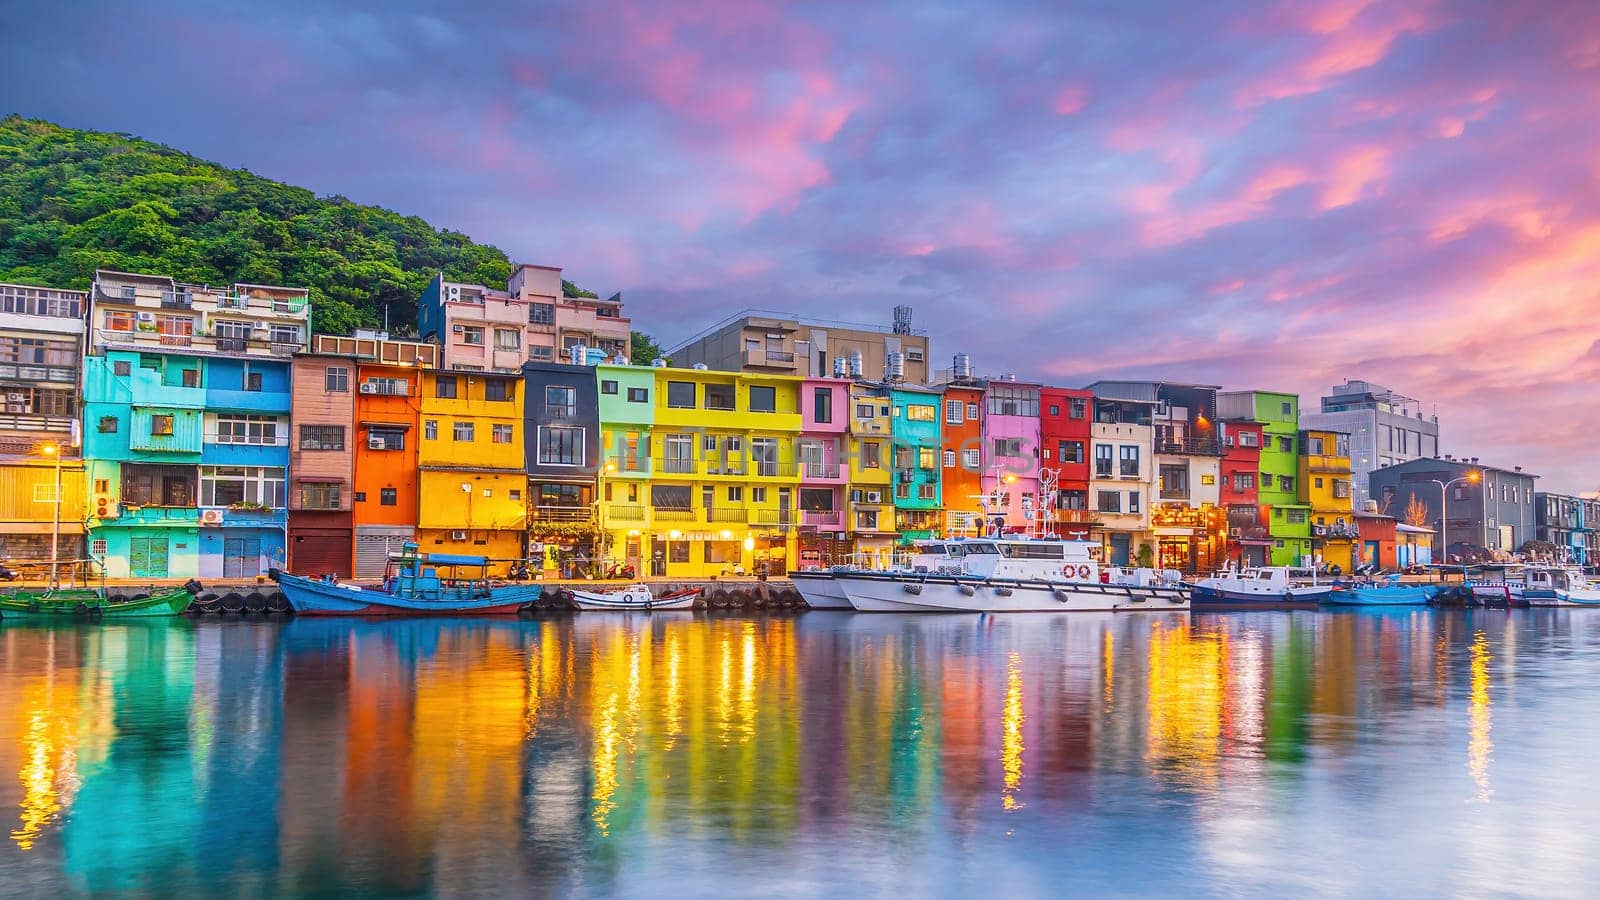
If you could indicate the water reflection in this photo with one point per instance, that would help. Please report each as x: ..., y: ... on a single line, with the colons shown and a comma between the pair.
x: 609, y: 753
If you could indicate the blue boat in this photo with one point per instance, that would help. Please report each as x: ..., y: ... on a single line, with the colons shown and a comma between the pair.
x: 1392, y: 594
x: 412, y: 586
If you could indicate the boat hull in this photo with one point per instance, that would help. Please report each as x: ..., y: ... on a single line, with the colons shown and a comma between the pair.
x: 820, y: 590
x: 44, y: 605
x: 869, y: 592
x: 1400, y: 595
x: 309, y: 597
x: 1224, y: 599
x: 633, y: 600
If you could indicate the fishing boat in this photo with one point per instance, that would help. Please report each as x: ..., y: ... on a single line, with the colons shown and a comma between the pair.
x: 635, y: 597
x: 1480, y: 586
x: 1555, y: 586
x: 1389, y: 593
x: 95, y: 603
x: 1008, y: 575
x: 1265, y: 587
x: 412, y: 586
x: 821, y: 590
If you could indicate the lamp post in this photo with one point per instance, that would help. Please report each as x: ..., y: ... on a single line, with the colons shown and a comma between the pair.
x: 1444, y: 511
x: 54, y: 450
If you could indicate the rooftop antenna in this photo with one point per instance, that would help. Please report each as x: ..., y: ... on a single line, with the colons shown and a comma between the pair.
x: 902, y: 320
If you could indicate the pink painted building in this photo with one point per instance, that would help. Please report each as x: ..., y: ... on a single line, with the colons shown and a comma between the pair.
x: 824, y: 469
x: 484, y: 329
x: 1011, y: 451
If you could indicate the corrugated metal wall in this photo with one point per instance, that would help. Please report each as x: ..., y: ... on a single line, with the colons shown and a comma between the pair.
x: 185, y: 436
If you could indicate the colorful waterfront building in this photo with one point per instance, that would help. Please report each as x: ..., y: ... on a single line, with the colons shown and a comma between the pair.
x: 1122, y: 436
x: 1065, y: 433
x: 322, y: 458
x: 914, y: 427
x: 562, y: 447
x: 389, y: 380
x: 961, y: 457
x: 1249, y: 541
x: 1571, y: 524
x: 484, y: 329
x: 41, y: 348
x: 471, y: 465
x: 1324, y: 474
x: 1289, y: 520
x: 186, y: 400
x: 822, y: 453
x: 626, y: 417
x: 725, y: 482
x: 871, y: 509
x: 1010, y: 473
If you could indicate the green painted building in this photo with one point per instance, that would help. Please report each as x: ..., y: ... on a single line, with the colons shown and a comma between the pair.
x: 1288, y: 519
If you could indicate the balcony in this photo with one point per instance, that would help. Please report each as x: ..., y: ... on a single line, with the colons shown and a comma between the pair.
x: 170, y: 516
x: 560, y: 513
x: 177, y: 340
x: 232, y: 344
x: 1252, y: 533
x: 1333, y: 465
x: 673, y: 514
x: 625, y: 512
x: 284, y: 348
x: 771, y: 517
x: 1175, y: 493
x: 769, y: 359
x: 822, y: 518
x: 627, y: 465
x: 246, y: 517
x: 822, y: 471
x: 1076, y: 516
x: 726, y: 514
x: 1175, y: 443
x: 170, y: 300
x: 1335, y: 532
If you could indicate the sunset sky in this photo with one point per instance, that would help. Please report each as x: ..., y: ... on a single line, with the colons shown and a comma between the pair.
x: 1275, y: 195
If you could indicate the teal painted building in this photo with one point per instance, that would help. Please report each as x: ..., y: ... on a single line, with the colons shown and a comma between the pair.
x: 914, y: 423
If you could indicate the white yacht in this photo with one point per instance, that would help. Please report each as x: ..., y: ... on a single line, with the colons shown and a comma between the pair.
x: 1007, y: 575
x: 1554, y: 586
x: 1265, y: 587
x: 821, y: 589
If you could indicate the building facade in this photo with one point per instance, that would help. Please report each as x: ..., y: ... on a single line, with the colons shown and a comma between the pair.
x: 1571, y: 523
x: 1325, y: 487
x: 483, y: 329
x: 1065, y: 434
x: 785, y: 344
x: 961, y: 457
x: 186, y: 390
x: 1277, y: 486
x: 562, y: 448
x: 915, y: 457
x: 1385, y: 428
x: 1483, y: 506
x: 871, y: 507
x: 626, y: 419
x: 41, y: 353
x: 1010, y: 473
x: 1122, y: 436
x: 322, y: 461
x: 388, y: 380
x: 823, y: 455
x: 1249, y: 540
x: 471, y: 466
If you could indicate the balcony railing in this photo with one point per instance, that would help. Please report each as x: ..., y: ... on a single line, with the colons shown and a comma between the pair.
x: 673, y: 514
x: 779, y: 356
x: 820, y: 470
x: 1175, y: 493
x: 772, y: 517
x: 829, y: 517
x: 232, y: 344
x: 725, y: 514
x: 1171, y: 441
x: 158, y: 515
x: 1250, y: 533
x: 1338, y: 465
x: 560, y: 513
x: 1077, y: 516
x: 170, y: 300
x: 177, y: 340
x: 674, y: 466
x: 625, y: 512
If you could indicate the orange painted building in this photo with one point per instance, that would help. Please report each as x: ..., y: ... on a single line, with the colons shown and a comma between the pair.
x: 961, y: 456
x: 388, y: 391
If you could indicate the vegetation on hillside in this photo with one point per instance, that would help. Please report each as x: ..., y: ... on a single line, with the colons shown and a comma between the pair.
x: 75, y: 201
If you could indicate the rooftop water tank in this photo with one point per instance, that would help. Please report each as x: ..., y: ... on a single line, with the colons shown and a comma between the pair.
x: 962, y: 367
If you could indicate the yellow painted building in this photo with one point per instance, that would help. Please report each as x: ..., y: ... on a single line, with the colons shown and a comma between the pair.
x: 871, y: 497
x: 709, y: 485
x: 28, y: 509
x: 1324, y: 480
x: 471, y: 469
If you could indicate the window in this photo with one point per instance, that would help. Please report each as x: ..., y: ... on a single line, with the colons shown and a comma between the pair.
x: 1174, y: 482
x: 236, y: 331
x: 1286, y: 482
x: 321, y: 437
x: 1102, y: 460
x: 758, y: 495
x: 256, y: 430
x: 1055, y: 410
x: 763, y: 398
x: 735, y: 494
x: 108, y: 424
x: 230, y: 485
x: 388, y: 496
x: 175, y: 331
x: 719, y: 396
x: 121, y: 367
x: 1458, y: 493
x: 902, y: 490
x: 1008, y: 447
x: 1129, y: 461
x: 472, y: 335
x: 463, y: 431
x: 921, y: 412
x: 1108, y: 501
x: 866, y: 520
x: 608, y: 387
x: 1295, y: 516
x: 1077, y: 408
x: 445, y: 386
x: 541, y: 313
x: 515, y: 495
x: 540, y: 353
x: 1285, y: 445
x: 680, y: 394
x: 498, y: 390
x: 430, y: 430
x: 816, y: 499
x: 1288, y: 408
x: 161, y: 425
x: 507, y: 339
x: 1249, y: 439
x: 638, y: 395
x: 1133, y: 502
x: 864, y: 411
x: 560, y: 445
x: 1341, y: 489
x: 971, y: 460
x: 336, y: 379
x: 561, y: 402
x: 871, y: 455
x: 925, y: 492
x: 925, y: 457
x: 822, y: 405
x: 382, y: 438
x: 1244, y: 481
x: 500, y: 434
x: 1317, y: 482
x: 972, y: 412
x: 949, y: 459
x: 1069, y: 451
x: 119, y: 320
x: 1314, y: 446
x: 284, y: 334
x: 1013, y: 400
x: 764, y: 452
x: 319, y: 495
x: 914, y: 355
x: 679, y: 453
x: 952, y: 412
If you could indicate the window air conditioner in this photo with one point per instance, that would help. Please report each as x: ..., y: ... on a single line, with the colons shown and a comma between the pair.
x: 211, y: 517
x: 368, y: 387
x: 147, y: 317
x: 376, y: 443
x: 458, y: 535
x: 458, y: 328
x: 874, y: 497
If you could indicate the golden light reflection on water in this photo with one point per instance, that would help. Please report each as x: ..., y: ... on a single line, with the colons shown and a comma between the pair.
x: 1108, y: 665
x: 1185, y: 702
x: 1479, y: 746
x: 1011, y: 748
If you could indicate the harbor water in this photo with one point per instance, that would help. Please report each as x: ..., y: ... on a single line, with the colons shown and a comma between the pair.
x: 1407, y: 752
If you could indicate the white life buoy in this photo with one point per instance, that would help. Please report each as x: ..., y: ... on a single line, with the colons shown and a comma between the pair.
x: 1083, y: 571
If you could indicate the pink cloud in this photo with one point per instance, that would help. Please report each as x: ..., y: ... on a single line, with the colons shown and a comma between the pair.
x: 1071, y: 99
x: 1355, y: 175
x: 1346, y: 38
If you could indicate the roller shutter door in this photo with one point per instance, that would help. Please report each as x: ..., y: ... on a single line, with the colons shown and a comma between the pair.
x: 321, y: 552
x: 373, y: 550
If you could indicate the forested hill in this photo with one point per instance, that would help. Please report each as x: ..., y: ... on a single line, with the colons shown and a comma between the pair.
x: 75, y: 201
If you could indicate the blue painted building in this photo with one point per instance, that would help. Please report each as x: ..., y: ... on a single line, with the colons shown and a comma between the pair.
x: 186, y: 425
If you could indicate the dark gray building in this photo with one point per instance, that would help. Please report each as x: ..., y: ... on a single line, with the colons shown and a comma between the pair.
x: 1572, y: 524
x: 1385, y: 427
x: 562, y: 434
x: 1496, y: 510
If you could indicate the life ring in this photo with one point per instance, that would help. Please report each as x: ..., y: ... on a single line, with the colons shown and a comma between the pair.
x: 1067, y: 570
x: 1083, y: 571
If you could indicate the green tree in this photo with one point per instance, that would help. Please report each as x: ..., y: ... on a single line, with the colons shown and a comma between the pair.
x: 645, y: 349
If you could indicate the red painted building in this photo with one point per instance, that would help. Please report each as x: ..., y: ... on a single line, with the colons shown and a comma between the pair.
x: 1378, y: 541
x: 1249, y: 541
x: 1064, y: 423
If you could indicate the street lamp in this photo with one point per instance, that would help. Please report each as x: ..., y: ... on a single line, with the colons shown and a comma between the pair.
x: 1444, y: 510
x: 54, y: 450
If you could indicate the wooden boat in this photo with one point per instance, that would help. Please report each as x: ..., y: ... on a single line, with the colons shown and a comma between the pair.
x: 412, y: 586
x: 95, y: 603
x: 635, y: 597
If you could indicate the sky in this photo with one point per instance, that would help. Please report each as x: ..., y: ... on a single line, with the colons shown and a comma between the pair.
x: 1271, y: 195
